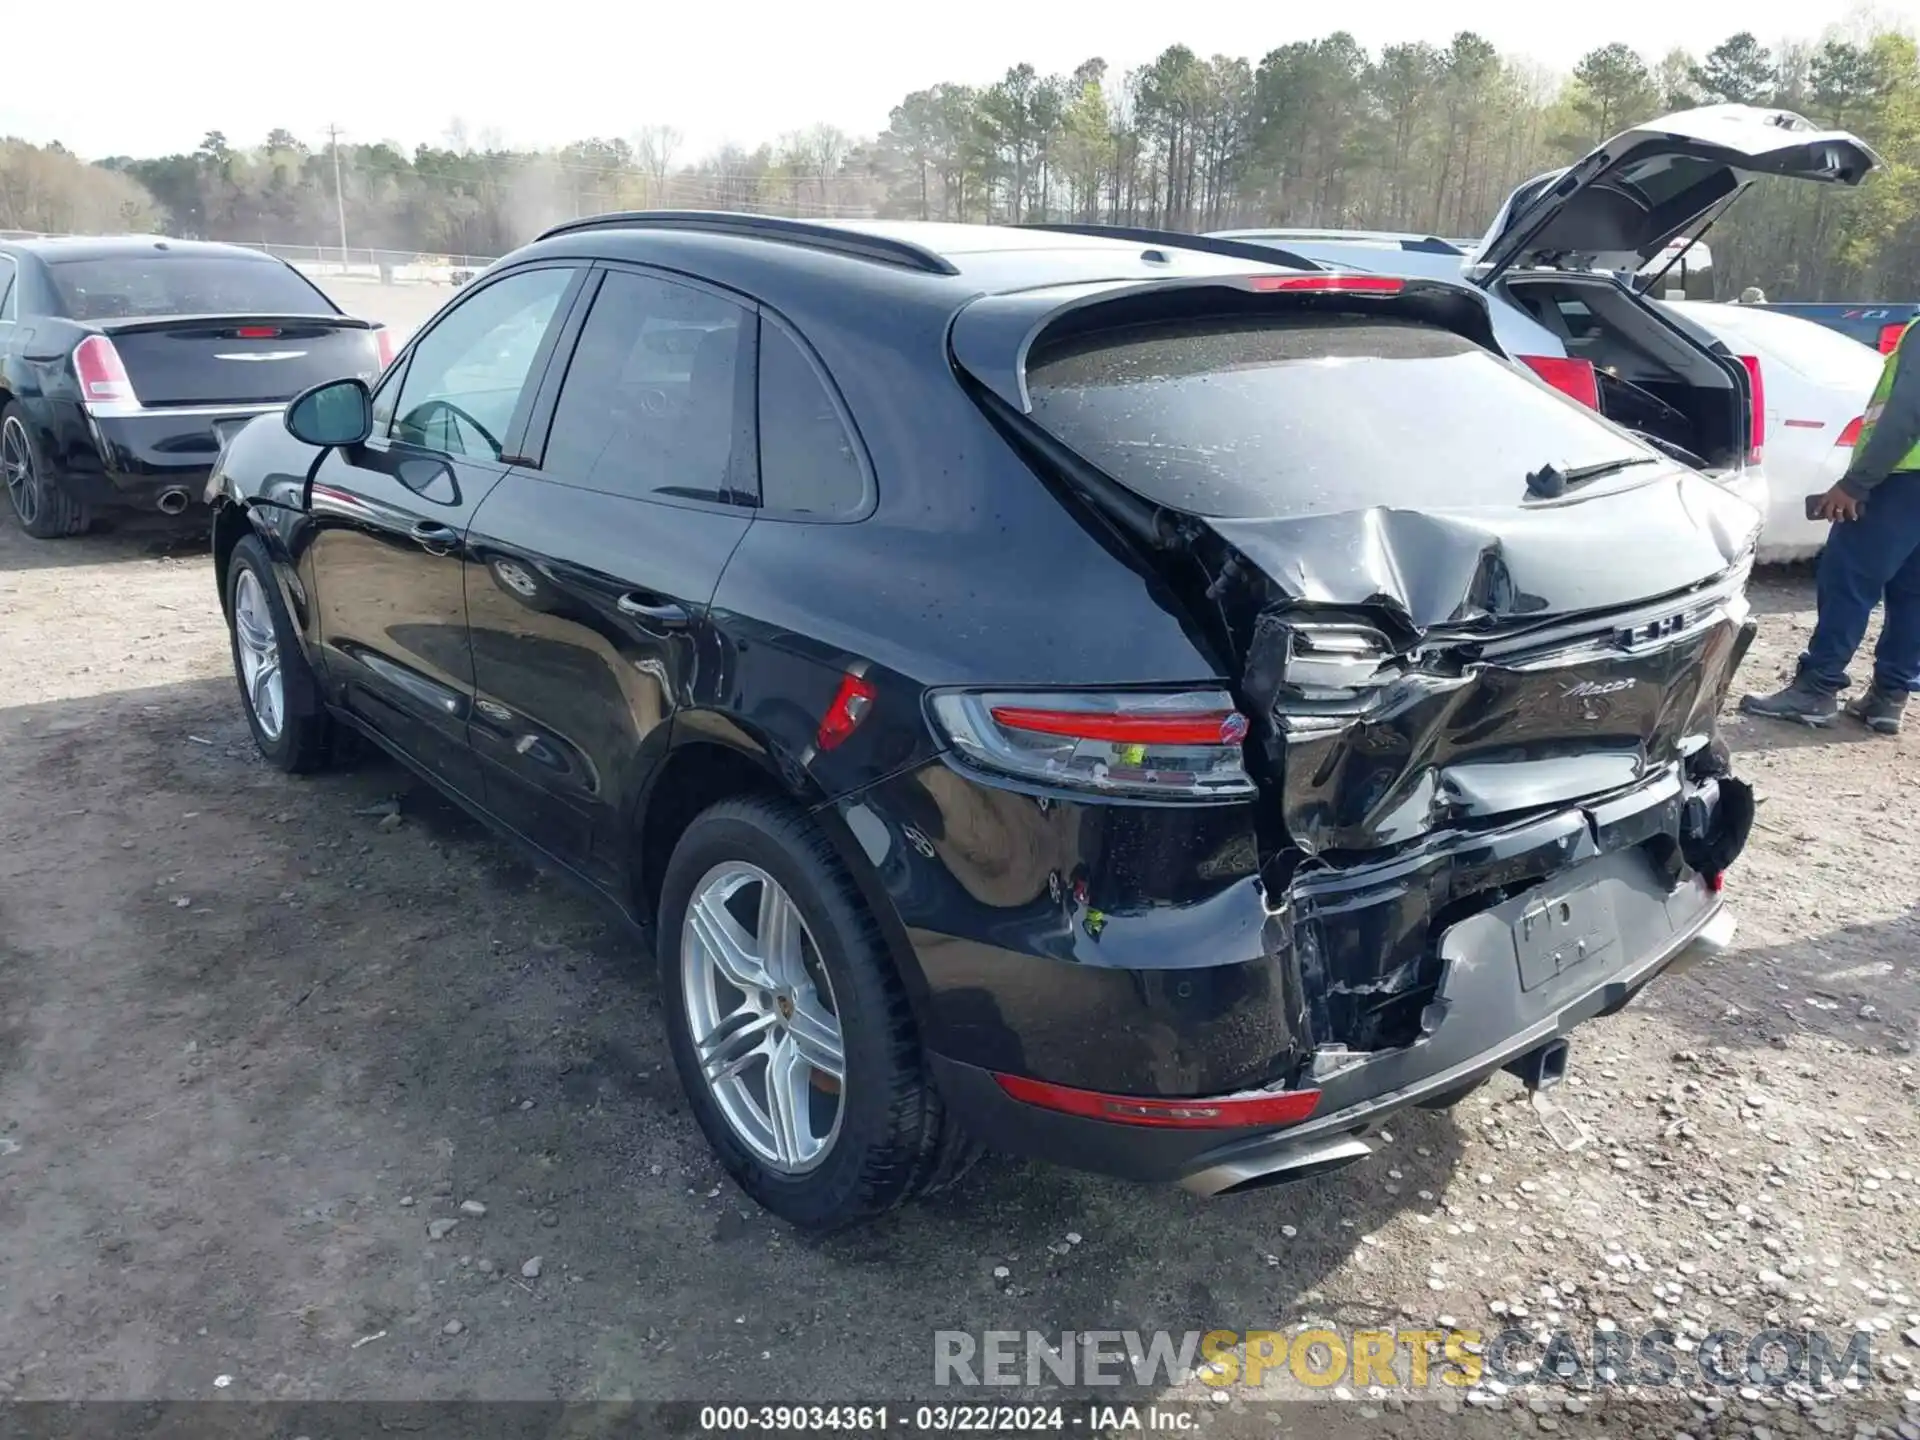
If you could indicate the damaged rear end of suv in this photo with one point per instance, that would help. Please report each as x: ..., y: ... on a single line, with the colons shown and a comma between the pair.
x: 1471, y: 639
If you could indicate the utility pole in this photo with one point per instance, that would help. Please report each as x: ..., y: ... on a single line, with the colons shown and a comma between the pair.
x: 339, y: 192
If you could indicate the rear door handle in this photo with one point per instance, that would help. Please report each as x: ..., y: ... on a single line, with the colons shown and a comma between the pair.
x: 644, y: 606
x: 435, y: 538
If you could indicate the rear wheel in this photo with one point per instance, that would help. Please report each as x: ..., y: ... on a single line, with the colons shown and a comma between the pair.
x: 789, y: 1025
x: 41, y: 502
x: 277, y: 687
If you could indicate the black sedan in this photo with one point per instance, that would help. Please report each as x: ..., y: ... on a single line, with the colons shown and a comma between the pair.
x: 1122, y: 698
x: 124, y: 362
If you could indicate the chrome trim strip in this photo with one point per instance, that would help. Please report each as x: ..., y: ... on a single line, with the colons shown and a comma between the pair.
x: 133, y: 410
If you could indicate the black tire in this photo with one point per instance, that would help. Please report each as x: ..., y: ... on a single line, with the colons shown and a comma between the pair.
x: 895, y: 1139
x: 305, y: 739
x: 42, y: 505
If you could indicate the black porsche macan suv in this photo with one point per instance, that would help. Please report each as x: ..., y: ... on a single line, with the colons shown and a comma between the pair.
x: 1120, y: 698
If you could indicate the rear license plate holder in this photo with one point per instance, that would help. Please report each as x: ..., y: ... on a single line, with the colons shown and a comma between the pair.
x: 1557, y: 932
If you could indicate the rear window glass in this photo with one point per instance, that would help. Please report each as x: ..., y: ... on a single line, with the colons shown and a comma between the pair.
x: 1239, y: 418
x: 120, y: 287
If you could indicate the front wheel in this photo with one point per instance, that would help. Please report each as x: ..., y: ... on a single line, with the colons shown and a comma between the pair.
x: 278, y: 689
x: 789, y: 1025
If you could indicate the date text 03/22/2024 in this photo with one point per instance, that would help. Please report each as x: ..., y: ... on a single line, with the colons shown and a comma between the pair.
x: 982, y: 1419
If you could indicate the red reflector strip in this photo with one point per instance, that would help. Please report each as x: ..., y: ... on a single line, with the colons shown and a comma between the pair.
x: 257, y: 332
x: 1851, y: 435
x: 1805, y: 424
x: 1568, y: 375
x: 850, y: 705
x: 1207, y: 1112
x: 1329, y: 284
x: 1216, y: 727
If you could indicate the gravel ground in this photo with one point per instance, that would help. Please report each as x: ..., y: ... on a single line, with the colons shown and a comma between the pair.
x: 302, y: 1100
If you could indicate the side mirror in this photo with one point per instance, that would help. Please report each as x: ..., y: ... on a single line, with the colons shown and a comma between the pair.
x: 337, y: 413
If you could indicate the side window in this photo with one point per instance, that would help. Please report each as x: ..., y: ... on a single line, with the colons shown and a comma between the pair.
x: 808, y: 464
x: 465, y: 376
x: 655, y: 398
x: 9, y: 304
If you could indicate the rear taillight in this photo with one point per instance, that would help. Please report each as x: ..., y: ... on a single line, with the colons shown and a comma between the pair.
x: 1851, y: 435
x: 1329, y: 284
x: 103, y: 379
x: 257, y: 332
x: 1757, y: 408
x: 1890, y: 337
x: 1207, y: 1112
x: 386, y: 343
x: 1172, y: 746
x: 1567, y: 375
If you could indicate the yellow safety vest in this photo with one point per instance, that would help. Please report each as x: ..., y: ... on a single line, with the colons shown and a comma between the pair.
x: 1878, y: 402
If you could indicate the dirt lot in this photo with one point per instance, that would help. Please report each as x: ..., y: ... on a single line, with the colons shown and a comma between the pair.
x: 254, y: 1037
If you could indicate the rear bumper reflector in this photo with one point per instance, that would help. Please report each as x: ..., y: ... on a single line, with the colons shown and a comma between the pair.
x: 1205, y: 1112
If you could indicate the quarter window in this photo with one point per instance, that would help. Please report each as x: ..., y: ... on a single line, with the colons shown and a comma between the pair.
x: 465, y: 378
x: 808, y: 464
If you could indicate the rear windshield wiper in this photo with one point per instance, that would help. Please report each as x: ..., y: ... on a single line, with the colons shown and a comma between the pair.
x: 1550, y: 481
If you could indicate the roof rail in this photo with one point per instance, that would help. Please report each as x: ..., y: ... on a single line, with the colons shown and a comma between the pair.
x: 814, y: 235
x: 1206, y: 244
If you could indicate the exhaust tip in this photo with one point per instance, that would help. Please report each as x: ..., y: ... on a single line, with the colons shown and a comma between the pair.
x: 175, y: 500
x: 1257, y: 1171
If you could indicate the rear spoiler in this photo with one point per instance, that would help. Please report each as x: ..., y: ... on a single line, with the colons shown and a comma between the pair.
x: 138, y: 324
x: 993, y: 336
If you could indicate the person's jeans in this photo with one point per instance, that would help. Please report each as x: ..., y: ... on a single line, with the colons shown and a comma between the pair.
x: 1866, y: 560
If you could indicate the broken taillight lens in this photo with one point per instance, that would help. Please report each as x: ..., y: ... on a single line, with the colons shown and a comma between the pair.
x: 848, y: 708
x: 1334, y: 664
x: 1185, y: 745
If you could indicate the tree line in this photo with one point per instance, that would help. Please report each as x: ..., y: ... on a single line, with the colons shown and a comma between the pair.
x: 1318, y: 133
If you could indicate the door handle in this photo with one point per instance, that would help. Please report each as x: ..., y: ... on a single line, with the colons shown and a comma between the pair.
x: 435, y: 538
x: 643, y: 606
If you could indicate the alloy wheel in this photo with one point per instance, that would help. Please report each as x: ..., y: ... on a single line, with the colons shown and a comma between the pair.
x: 16, y: 460
x: 766, y: 1034
x: 259, y: 655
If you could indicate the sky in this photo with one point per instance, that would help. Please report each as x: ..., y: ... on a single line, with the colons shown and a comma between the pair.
x: 146, y: 80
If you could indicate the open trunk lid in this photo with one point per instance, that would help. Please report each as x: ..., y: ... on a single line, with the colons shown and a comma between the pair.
x: 238, y: 359
x: 1619, y: 206
x: 1447, y: 593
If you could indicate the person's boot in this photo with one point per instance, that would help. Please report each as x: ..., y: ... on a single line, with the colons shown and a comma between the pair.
x: 1879, y: 710
x: 1799, y: 702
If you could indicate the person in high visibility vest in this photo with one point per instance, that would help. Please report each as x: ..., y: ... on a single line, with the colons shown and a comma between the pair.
x: 1872, y: 555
